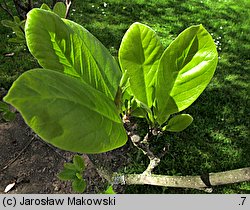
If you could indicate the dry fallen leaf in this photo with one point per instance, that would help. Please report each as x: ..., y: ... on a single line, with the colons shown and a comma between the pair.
x: 9, y: 187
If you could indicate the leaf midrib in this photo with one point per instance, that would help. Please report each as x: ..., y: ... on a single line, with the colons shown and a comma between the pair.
x: 62, y: 55
x: 71, y: 101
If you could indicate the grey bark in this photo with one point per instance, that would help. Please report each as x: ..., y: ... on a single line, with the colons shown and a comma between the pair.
x: 196, y: 182
x: 205, y: 181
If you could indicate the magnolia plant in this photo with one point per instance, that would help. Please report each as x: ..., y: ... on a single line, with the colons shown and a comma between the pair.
x: 77, y: 100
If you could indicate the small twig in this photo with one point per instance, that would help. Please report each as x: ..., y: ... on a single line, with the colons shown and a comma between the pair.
x: 19, y: 154
x: 143, y: 145
x: 30, y: 4
x: 54, y: 149
x: 155, y: 160
x: 54, y: 2
x: 68, y: 4
x: 35, y: 137
x: 164, y: 151
x: 4, y: 6
x: 21, y: 6
x: 152, y: 164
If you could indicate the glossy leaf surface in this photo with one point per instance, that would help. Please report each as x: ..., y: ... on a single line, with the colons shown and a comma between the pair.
x: 139, y: 55
x: 67, y: 112
x: 64, y: 46
x: 185, y: 69
x: 178, y: 123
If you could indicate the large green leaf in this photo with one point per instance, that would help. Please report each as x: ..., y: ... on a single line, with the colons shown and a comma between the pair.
x: 67, y: 47
x: 139, y: 55
x: 185, y: 69
x: 67, y: 112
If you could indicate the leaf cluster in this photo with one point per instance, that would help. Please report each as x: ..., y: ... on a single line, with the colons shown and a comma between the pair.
x: 74, y: 172
x: 75, y: 100
x: 157, y: 83
x: 17, y: 27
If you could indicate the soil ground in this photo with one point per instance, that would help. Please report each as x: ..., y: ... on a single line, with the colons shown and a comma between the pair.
x: 32, y: 164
